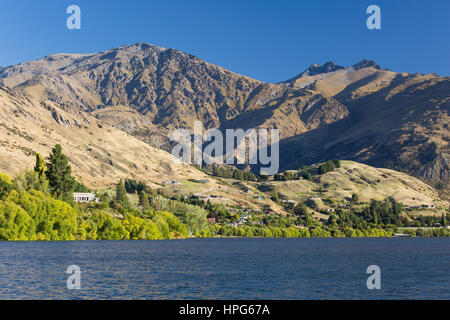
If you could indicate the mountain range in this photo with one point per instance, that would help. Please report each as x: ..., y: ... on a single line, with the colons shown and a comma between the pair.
x: 362, y: 112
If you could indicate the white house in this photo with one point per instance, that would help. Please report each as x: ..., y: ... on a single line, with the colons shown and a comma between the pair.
x: 84, y: 197
x: 171, y: 182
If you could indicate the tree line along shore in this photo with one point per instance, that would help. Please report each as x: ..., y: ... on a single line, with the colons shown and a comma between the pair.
x: 38, y: 205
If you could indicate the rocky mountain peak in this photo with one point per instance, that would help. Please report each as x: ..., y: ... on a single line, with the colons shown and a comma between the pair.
x: 315, y: 68
x: 366, y: 64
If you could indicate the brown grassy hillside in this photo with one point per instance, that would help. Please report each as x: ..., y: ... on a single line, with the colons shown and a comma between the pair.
x: 99, y: 154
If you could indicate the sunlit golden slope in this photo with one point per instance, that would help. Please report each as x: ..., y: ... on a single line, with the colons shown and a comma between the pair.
x: 99, y: 154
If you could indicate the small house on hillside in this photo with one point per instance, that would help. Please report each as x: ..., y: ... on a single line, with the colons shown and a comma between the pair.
x: 171, y: 182
x: 84, y: 197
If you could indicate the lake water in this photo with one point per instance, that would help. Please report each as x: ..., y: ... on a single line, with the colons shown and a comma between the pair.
x: 411, y: 268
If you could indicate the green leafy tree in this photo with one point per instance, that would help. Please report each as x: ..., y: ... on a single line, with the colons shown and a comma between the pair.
x: 195, y: 218
x: 87, y: 230
x: 278, y: 177
x: 5, y: 185
x: 121, y: 193
x: 15, y: 223
x: 108, y: 228
x: 141, y: 229
x: 275, y: 197
x: 162, y: 225
x: 289, y: 176
x: 319, y: 232
x: 301, y: 210
x: 30, y: 180
x: 40, y: 168
x: 326, y: 167
x: 238, y: 175
x: 249, y: 233
x: 306, y: 175
x: 355, y: 198
x: 54, y: 219
x: 80, y: 187
x: 143, y: 200
x: 59, y: 174
x: 337, y: 163
x: 249, y: 176
x: 332, y: 220
x: 176, y: 228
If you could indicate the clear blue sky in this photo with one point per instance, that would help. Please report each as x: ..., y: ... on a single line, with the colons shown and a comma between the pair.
x: 267, y: 40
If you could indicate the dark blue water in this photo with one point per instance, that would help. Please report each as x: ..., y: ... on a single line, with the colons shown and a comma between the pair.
x: 412, y: 268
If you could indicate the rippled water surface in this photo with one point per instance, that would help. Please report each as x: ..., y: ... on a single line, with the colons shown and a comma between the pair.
x: 412, y: 268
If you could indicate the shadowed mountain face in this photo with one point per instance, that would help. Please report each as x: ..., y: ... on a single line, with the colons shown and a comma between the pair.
x: 362, y: 112
x: 394, y: 120
x: 406, y: 131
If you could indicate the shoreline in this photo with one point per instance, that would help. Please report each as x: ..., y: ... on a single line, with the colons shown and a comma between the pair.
x: 231, y: 238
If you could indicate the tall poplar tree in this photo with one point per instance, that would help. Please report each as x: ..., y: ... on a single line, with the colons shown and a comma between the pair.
x: 121, y: 193
x: 40, y: 168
